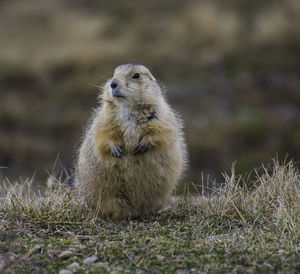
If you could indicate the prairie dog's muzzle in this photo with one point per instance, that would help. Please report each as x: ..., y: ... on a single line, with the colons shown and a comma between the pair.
x: 115, y: 88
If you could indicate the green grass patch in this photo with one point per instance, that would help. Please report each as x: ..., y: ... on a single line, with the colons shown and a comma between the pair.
x: 243, y: 227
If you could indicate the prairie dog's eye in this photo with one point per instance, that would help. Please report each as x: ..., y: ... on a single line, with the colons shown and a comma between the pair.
x: 136, y: 75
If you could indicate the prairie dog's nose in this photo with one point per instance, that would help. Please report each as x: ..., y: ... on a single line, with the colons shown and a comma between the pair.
x: 114, y: 83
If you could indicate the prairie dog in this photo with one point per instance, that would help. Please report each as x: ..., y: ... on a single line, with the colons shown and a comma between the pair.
x: 133, y: 153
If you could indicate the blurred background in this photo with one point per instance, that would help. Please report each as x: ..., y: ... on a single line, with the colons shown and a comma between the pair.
x: 231, y: 69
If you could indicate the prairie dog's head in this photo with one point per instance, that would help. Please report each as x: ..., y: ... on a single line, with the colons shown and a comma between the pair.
x: 132, y: 84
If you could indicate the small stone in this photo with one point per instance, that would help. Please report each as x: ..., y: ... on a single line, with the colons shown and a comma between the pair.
x: 102, y: 264
x: 267, y: 265
x: 65, y: 271
x: 212, y: 237
x: 90, y: 260
x: 65, y: 254
x: 73, y: 266
x: 160, y: 257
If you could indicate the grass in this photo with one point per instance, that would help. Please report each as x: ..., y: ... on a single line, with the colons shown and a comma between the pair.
x: 243, y: 227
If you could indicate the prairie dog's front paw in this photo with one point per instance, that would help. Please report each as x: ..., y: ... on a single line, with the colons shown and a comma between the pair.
x: 116, y: 151
x: 142, y: 147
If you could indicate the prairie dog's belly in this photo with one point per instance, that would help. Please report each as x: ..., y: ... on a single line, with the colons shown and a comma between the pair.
x: 151, y: 166
x: 139, y: 177
x: 131, y: 136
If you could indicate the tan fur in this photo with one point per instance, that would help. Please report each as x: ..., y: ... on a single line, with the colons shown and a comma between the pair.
x: 132, y: 185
